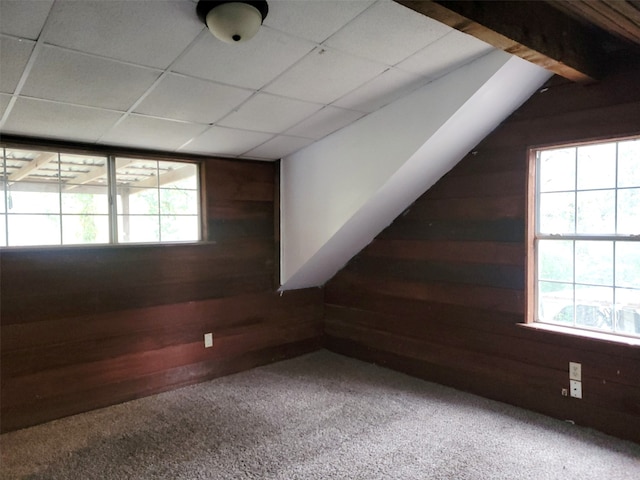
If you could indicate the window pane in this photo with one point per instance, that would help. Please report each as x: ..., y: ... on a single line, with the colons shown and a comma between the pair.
x: 555, y: 260
x: 28, y: 197
x: 77, y: 229
x: 557, y: 170
x: 178, y: 202
x: 629, y: 163
x: 557, y: 213
x: 137, y: 172
x: 555, y: 303
x: 86, y: 200
x: 31, y: 165
x: 629, y: 210
x: 628, y: 311
x: 3, y: 230
x: 83, y: 169
x: 138, y: 201
x: 2, y: 196
x: 597, y: 166
x: 34, y: 230
x: 594, y: 262
x: 594, y: 307
x: 138, y: 228
x: 183, y: 228
x: 596, y: 212
x: 628, y: 264
x: 178, y: 175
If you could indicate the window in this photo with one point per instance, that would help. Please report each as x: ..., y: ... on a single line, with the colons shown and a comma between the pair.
x: 57, y: 198
x: 587, y: 237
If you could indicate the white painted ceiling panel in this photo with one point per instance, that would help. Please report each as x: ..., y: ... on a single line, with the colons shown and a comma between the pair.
x: 279, y: 145
x: 225, y: 142
x: 387, y: 32
x: 191, y: 99
x: 445, y: 55
x: 331, y: 73
x: 250, y: 65
x: 324, y: 122
x: 23, y: 22
x: 151, y: 33
x: 312, y: 19
x: 380, y: 91
x: 269, y: 113
x: 153, y: 63
x: 4, y: 102
x: 14, y: 55
x: 45, y: 119
x: 135, y: 130
x: 87, y: 80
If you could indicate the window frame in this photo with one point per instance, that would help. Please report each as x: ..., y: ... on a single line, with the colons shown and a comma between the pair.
x: 111, y: 154
x: 532, y: 236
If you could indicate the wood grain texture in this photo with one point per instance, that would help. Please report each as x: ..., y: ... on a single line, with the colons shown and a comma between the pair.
x: 88, y: 327
x: 440, y: 293
x: 543, y: 42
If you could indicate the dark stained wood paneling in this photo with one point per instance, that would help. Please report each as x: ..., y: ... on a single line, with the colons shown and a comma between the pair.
x: 440, y: 294
x: 88, y: 327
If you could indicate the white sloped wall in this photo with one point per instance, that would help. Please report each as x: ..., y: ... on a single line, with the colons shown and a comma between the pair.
x: 340, y: 192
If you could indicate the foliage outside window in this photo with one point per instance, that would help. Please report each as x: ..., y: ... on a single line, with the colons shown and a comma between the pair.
x: 57, y: 198
x: 587, y: 237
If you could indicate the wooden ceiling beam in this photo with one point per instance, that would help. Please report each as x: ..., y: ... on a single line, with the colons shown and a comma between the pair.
x: 532, y: 30
x: 39, y: 161
x: 621, y: 18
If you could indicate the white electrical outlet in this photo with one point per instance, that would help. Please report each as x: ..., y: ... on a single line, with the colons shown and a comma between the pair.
x: 575, y: 371
x: 208, y: 340
x: 575, y: 388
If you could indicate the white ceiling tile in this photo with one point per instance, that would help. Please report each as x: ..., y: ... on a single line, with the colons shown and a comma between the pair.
x: 279, y: 147
x: 312, y: 19
x: 154, y: 133
x: 387, y: 32
x: 324, y: 122
x: 148, y: 33
x: 269, y: 113
x: 324, y: 76
x: 4, y: 101
x: 225, y: 142
x: 249, y: 65
x: 446, y: 54
x: 14, y: 55
x: 22, y: 18
x: 56, y: 120
x: 380, y: 91
x: 192, y: 100
x: 81, y: 79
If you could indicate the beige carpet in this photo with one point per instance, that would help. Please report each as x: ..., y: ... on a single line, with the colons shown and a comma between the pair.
x: 320, y: 416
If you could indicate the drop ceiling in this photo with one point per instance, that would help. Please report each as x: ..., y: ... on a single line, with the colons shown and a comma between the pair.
x: 148, y: 74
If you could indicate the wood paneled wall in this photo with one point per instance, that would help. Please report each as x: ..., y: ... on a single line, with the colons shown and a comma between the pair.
x: 87, y: 327
x: 440, y: 294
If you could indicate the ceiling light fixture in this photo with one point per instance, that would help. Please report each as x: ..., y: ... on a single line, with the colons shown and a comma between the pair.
x: 232, y: 21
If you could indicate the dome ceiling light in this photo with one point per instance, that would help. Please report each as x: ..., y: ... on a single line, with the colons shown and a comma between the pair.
x: 232, y: 21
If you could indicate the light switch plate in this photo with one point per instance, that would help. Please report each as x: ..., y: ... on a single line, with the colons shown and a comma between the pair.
x: 208, y: 340
x: 575, y: 371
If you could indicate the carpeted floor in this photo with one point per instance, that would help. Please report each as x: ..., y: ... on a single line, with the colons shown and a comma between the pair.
x: 320, y: 416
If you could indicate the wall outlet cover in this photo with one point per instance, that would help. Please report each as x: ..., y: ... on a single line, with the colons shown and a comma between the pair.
x: 575, y: 388
x: 208, y: 340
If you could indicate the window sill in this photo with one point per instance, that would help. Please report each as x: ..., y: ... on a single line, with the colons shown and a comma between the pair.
x: 607, y: 337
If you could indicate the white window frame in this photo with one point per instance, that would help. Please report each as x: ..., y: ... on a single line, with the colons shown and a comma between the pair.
x: 534, y: 236
x: 111, y: 191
